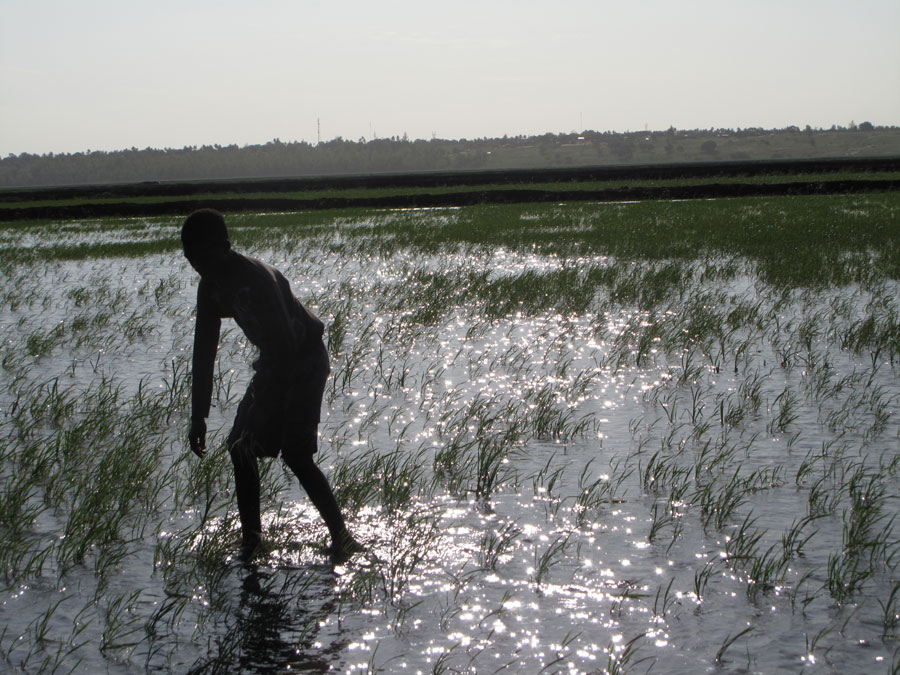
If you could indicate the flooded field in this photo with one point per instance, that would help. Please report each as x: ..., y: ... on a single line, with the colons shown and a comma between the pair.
x: 656, y: 437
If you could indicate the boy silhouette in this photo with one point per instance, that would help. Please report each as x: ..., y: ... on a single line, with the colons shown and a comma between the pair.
x: 279, y: 414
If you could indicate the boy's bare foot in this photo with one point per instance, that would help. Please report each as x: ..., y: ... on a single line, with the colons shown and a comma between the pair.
x: 345, y: 547
x: 251, y: 547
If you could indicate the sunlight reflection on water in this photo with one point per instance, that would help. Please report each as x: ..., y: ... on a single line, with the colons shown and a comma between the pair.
x: 577, y: 545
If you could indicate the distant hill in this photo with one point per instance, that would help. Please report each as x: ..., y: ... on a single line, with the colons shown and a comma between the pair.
x: 394, y: 155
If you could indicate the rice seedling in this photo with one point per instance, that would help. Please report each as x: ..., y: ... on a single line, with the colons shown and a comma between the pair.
x: 786, y: 402
x: 728, y: 641
x: 702, y: 578
x: 545, y: 481
x: 813, y: 643
x: 547, y: 559
x: 595, y: 493
x: 621, y: 659
x: 890, y: 608
x: 409, y: 544
x: 766, y: 572
x: 495, y: 545
x: 793, y: 541
x: 847, y: 574
x: 659, y: 520
x: 121, y: 632
x: 743, y: 543
x: 662, y: 604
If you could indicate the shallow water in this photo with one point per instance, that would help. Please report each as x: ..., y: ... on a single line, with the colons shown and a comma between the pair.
x: 536, y: 490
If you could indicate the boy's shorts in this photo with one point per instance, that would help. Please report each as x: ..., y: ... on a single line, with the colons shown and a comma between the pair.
x: 281, y: 410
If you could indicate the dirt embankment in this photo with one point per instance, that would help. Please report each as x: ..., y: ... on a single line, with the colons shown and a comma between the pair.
x: 464, y: 189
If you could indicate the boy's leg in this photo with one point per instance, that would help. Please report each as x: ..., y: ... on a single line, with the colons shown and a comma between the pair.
x: 300, y: 442
x: 246, y: 482
x: 313, y: 481
x: 247, y: 437
x: 316, y: 486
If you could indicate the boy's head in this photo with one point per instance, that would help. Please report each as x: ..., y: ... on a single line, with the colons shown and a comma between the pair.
x: 204, y: 238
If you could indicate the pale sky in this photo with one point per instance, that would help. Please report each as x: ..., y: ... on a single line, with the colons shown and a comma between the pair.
x: 113, y: 74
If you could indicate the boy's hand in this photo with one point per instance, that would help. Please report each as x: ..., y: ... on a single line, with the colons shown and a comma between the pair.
x: 197, y: 437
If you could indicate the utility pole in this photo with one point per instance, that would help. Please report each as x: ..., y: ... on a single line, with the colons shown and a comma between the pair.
x: 318, y: 131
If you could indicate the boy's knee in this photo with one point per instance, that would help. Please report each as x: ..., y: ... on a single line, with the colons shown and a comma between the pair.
x: 298, y: 462
x: 241, y: 455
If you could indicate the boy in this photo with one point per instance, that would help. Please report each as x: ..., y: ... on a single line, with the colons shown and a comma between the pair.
x: 280, y: 411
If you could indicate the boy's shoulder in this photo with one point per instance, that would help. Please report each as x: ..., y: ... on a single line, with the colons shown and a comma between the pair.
x: 248, y: 262
x: 243, y: 270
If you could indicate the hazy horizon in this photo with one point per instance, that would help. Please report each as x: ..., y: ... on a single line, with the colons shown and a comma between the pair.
x: 109, y: 76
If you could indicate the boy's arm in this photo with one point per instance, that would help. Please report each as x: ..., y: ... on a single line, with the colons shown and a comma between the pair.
x: 206, y: 343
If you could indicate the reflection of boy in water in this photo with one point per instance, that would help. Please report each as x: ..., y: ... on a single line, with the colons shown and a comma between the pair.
x: 280, y: 411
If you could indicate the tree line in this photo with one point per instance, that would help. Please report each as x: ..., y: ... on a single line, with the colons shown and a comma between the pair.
x: 396, y: 155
